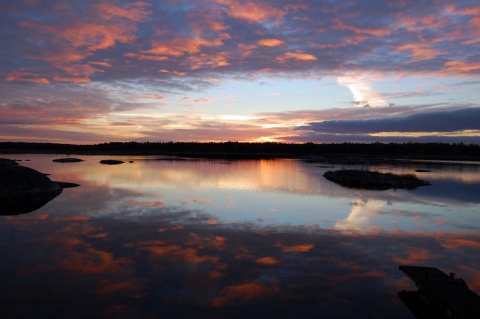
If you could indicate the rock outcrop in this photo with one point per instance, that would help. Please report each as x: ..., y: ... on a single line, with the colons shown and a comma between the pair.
x: 67, y: 160
x: 23, y: 189
x: 373, y: 180
x: 111, y: 162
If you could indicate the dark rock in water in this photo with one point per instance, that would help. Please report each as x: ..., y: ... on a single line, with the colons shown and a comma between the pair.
x: 373, y: 180
x: 67, y: 160
x: 23, y: 189
x: 66, y: 184
x: 111, y: 162
x: 423, y: 170
x: 24, y: 181
x: 6, y: 161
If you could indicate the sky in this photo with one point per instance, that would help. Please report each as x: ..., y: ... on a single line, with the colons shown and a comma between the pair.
x: 330, y: 71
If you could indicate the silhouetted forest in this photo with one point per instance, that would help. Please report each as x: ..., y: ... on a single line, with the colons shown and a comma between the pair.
x: 457, y: 151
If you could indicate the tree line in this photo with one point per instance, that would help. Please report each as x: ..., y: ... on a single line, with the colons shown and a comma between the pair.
x: 255, y: 150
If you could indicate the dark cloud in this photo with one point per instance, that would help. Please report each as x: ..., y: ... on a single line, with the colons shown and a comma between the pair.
x: 435, y: 121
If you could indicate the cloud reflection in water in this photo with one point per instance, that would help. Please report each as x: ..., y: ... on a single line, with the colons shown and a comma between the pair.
x: 121, y: 248
x: 151, y: 267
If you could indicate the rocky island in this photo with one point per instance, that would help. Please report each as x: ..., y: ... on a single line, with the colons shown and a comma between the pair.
x: 111, y: 162
x: 373, y: 180
x: 23, y: 189
x: 67, y: 160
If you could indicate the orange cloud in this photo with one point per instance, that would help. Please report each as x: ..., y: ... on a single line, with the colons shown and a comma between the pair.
x: 246, y: 49
x: 241, y: 293
x: 72, y: 219
x: 91, y: 261
x: 271, y: 42
x: 471, y: 10
x: 476, y: 22
x: 65, y: 57
x: 253, y: 11
x: 180, y: 253
x: 269, y: 261
x: 460, y: 66
x: 297, y: 55
x: 418, y: 23
x: 378, y: 32
x: 98, y: 36
x: 72, y: 43
x: 178, y: 47
x: 414, y: 256
x: 102, y: 63
x: 72, y: 79
x: 136, y: 11
x: 202, y: 242
x: 202, y: 23
x: 174, y: 72
x: 26, y: 77
x: 455, y: 243
x: 296, y: 249
x: 218, y: 60
x: 420, y: 52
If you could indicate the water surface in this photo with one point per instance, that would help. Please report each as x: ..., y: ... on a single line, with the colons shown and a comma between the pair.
x: 236, y: 239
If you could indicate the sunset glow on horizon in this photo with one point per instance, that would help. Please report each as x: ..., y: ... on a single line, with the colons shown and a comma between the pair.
x: 229, y: 70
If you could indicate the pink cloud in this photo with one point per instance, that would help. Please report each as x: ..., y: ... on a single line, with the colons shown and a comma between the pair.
x: 462, y: 66
x: 414, y: 256
x: 253, y: 11
x: 26, y: 77
x: 241, y: 293
x: 420, y: 51
x: 378, y: 32
x: 136, y: 11
x: 271, y: 42
x: 297, y: 55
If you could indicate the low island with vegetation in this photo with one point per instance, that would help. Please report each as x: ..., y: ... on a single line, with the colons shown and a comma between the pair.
x: 374, y: 180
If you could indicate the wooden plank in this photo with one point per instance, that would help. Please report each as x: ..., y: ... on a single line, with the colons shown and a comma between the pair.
x: 451, y: 296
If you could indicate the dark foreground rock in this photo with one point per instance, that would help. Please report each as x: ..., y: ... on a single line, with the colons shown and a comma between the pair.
x: 111, y: 162
x: 66, y: 184
x: 6, y: 161
x: 67, y: 160
x: 23, y: 189
x: 373, y: 180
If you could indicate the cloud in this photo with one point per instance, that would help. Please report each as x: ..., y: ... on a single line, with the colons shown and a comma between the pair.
x: 362, y: 92
x: 102, y: 40
x: 253, y: 11
x: 297, y: 55
x: 26, y: 77
x: 141, y: 49
x: 436, y: 121
x: 271, y: 42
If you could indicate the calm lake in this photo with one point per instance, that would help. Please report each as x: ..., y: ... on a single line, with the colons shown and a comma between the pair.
x: 232, y: 239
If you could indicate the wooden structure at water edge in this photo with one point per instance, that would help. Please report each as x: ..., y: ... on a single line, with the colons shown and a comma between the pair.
x: 439, y: 295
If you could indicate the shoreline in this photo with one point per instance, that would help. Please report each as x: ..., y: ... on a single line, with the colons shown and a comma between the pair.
x: 425, y: 153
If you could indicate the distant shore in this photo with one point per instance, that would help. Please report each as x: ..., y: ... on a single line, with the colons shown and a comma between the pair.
x: 344, y: 152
